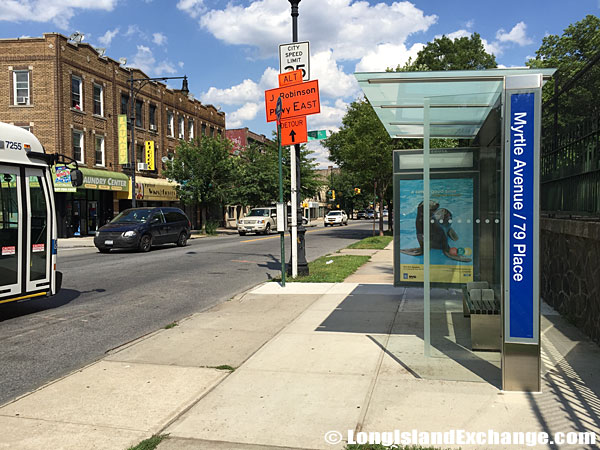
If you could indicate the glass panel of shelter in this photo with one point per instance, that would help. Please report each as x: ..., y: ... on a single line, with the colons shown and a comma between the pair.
x: 463, y: 188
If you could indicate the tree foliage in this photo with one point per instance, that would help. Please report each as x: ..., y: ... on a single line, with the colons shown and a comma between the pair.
x: 203, y: 169
x: 444, y: 53
x: 569, y: 54
x: 257, y: 175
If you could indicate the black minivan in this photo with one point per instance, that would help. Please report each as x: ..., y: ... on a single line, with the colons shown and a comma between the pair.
x: 142, y: 228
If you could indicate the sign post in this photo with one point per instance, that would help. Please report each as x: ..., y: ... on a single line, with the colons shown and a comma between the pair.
x: 278, y: 110
x: 521, y: 363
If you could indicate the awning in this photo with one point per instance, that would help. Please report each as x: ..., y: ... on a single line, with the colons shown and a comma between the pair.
x: 92, y: 179
x: 155, y: 189
x: 459, y: 101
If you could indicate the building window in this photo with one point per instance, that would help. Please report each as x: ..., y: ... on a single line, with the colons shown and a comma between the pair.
x: 21, y: 87
x: 203, y: 129
x: 25, y: 127
x: 99, y: 150
x: 78, y: 146
x: 153, y: 126
x: 141, y: 153
x: 139, y: 105
x: 170, y: 124
x: 190, y: 129
x: 212, y: 131
x: 124, y: 104
x: 76, y: 93
x: 98, y: 100
x: 181, y: 127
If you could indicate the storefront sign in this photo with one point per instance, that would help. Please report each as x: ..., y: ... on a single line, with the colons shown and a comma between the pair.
x: 158, y: 189
x: 521, y: 221
x: 103, y: 180
x: 122, y: 130
x: 62, y: 179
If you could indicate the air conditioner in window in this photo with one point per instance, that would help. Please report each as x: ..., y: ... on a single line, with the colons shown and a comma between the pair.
x: 21, y: 100
x: 153, y: 127
x: 142, y: 166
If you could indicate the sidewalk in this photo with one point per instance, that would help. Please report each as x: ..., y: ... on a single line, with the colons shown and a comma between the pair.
x: 309, y: 358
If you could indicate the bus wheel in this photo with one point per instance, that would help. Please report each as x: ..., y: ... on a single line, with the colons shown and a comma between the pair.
x: 145, y: 243
x: 104, y: 250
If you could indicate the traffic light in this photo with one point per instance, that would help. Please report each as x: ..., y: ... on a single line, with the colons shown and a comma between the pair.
x: 357, y: 191
x: 333, y: 195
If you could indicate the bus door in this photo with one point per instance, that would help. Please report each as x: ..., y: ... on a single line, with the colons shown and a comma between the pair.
x: 11, y: 221
x: 39, y: 249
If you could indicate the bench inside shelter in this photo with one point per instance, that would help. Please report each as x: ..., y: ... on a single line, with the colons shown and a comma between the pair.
x: 483, y: 308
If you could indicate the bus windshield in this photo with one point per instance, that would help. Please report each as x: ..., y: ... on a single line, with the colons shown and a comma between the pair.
x: 132, y: 216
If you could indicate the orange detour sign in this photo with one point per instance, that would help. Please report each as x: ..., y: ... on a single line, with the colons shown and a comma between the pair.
x: 289, y: 78
x: 297, y: 100
x: 293, y: 131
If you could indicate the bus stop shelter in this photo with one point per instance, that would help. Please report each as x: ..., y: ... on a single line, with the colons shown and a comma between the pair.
x: 466, y: 208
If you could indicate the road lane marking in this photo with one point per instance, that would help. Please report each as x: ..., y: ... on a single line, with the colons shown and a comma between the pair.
x: 308, y: 231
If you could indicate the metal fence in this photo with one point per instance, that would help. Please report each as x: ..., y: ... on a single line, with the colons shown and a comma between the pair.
x: 570, y: 159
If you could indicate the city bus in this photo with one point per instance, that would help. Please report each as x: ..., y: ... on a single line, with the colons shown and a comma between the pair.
x: 28, y: 231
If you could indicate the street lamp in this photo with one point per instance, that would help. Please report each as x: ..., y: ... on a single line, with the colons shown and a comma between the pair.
x: 133, y: 92
x: 302, y: 263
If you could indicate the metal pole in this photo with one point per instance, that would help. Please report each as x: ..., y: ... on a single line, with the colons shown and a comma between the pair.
x: 374, y: 204
x: 300, y: 242
x: 132, y: 149
x: 281, y: 234
x: 294, y: 230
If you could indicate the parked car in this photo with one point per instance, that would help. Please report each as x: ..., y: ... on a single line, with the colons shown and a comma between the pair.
x: 143, y: 228
x: 336, y: 217
x: 370, y: 214
x: 258, y: 220
x: 385, y: 213
x: 362, y: 214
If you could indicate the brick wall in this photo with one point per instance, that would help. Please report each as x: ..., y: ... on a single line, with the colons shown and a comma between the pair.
x: 53, y: 61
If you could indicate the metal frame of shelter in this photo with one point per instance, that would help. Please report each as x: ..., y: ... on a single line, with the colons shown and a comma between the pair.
x: 466, y: 105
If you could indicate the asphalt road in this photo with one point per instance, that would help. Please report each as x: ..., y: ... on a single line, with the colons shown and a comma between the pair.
x: 108, y: 300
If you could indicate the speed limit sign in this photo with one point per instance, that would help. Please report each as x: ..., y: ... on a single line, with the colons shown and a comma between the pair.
x: 295, y: 56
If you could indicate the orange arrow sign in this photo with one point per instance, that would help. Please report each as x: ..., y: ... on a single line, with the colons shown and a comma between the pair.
x: 293, y: 131
x: 297, y: 100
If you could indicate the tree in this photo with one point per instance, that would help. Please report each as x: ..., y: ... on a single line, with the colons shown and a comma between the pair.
x: 364, y: 149
x: 464, y: 53
x: 257, y: 174
x: 570, y: 53
x: 204, y: 171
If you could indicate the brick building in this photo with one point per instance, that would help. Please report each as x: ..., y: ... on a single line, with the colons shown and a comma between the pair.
x: 243, y: 137
x: 70, y: 95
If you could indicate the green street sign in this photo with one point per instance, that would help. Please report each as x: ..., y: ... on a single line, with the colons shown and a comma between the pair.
x: 317, y: 135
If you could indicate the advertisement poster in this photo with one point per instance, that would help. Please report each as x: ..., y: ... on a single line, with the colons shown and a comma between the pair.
x: 451, y: 210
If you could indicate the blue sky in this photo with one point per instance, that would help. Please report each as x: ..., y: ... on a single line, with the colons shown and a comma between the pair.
x: 229, y: 49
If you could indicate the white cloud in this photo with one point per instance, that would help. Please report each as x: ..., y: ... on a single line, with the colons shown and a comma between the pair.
x: 180, y: 64
x: 107, y: 37
x: 518, y: 35
x: 330, y: 117
x: 333, y: 81
x: 246, y: 91
x: 159, y: 38
x: 387, y: 55
x: 134, y: 30
x: 494, y: 48
x: 246, y: 113
x: 351, y: 28
x: 320, y: 153
x: 145, y: 61
x: 58, y: 12
x: 195, y: 8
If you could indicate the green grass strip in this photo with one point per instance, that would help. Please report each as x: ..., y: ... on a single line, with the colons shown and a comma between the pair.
x: 336, y: 271
x: 150, y: 443
x: 373, y: 242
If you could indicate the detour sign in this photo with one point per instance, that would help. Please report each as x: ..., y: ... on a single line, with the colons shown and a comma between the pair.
x: 297, y: 100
